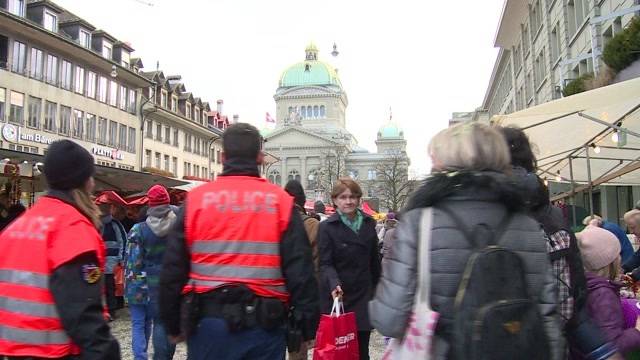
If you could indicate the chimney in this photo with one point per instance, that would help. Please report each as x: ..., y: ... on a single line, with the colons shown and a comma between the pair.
x: 236, y: 118
x: 219, y: 108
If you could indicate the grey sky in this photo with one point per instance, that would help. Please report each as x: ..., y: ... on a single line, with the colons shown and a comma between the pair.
x: 425, y: 59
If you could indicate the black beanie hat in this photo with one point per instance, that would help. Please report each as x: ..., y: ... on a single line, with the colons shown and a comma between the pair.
x: 67, y: 165
x: 294, y: 188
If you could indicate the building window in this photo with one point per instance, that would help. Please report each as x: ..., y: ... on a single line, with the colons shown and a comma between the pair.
x: 102, y: 89
x: 50, y: 110
x: 78, y: 122
x: 85, y: 39
x: 122, y: 137
x: 303, y: 112
x: 174, y: 166
x: 24, y: 148
x: 294, y: 175
x: 125, y: 58
x: 157, y: 160
x: 316, y: 111
x: 539, y: 69
x: 123, y: 98
x: 163, y: 99
x: 50, y: 21
x: 65, y: 120
x: 167, y: 135
x: 35, y: 108
x: 176, y: 140
x: 107, y: 50
x: 102, y: 130
x: 158, y: 132
x: 19, y: 57
x: 371, y: 174
x: 166, y: 162
x: 132, y: 101
x: 528, y: 88
x: 3, y: 95
x: 517, y: 58
x: 196, y: 114
x: 66, y: 75
x: 555, y: 44
x: 113, y: 93
x: 131, y: 144
x: 37, y: 63
x: 91, y: 84
x: 274, y: 177
x: 526, y: 40
x: 78, y: 80
x: 91, y: 127
x: 16, y: 7
x: 536, y: 17
x: 218, y: 157
x: 174, y: 103
x: 51, y: 70
x: 149, y: 129
x: 16, y: 112
x: 188, y: 111
x: 113, y: 133
x: 147, y: 158
x: 197, y: 145
x: 322, y: 111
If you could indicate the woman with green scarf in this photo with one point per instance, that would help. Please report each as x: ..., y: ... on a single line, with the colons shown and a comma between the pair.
x: 349, y: 258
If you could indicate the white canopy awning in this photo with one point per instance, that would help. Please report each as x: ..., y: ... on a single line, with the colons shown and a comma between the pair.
x: 562, y: 130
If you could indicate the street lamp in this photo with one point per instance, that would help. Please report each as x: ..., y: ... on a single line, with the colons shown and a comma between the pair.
x: 210, y: 143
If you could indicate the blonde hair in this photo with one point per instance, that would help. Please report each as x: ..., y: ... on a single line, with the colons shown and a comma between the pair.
x: 83, y: 201
x: 632, y: 216
x: 470, y: 146
x: 593, y: 220
x: 611, y: 271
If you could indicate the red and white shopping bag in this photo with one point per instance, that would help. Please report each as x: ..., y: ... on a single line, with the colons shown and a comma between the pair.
x: 337, y: 335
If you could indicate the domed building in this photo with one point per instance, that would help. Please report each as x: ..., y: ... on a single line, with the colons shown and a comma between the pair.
x: 312, y: 142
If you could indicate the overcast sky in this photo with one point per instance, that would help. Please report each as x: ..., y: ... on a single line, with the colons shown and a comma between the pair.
x: 424, y: 59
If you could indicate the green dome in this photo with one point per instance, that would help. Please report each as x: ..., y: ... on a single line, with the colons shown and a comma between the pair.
x: 309, y: 73
x: 390, y: 130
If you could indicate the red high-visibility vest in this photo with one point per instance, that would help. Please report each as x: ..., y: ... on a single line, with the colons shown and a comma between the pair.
x: 46, y: 236
x: 233, y: 228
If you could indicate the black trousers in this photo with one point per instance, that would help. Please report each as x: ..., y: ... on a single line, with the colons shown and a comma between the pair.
x: 110, y: 289
x: 363, y: 344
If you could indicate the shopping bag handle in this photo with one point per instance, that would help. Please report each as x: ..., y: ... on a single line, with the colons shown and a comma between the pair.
x: 337, y: 308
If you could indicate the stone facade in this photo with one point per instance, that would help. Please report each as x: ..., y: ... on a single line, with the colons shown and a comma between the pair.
x: 311, y: 140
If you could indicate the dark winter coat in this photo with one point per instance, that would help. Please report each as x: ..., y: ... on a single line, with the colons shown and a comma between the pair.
x: 476, y: 198
x: 603, y: 305
x: 351, y: 261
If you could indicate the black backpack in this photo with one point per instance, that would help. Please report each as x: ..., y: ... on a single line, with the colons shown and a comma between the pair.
x: 495, y: 318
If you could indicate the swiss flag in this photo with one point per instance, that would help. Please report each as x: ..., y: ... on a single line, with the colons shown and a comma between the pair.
x: 269, y: 119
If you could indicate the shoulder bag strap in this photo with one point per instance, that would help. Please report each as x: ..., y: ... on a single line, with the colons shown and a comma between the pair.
x: 424, y: 249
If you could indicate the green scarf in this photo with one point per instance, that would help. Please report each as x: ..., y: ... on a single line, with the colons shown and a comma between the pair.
x: 354, y: 225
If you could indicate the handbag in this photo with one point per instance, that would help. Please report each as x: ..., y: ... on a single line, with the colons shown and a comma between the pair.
x: 417, y: 341
x: 337, y: 335
x: 118, y: 279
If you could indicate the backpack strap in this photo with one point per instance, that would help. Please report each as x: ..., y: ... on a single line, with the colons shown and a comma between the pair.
x: 472, y: 236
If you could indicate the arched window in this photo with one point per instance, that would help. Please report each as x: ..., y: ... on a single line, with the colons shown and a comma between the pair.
x: 303, y: 114
x: 310, y: 111
x: 316, y: 112
x: 313, y: 179
x: 322, y: 111
x: 274, y: 177
x: 294, y: 175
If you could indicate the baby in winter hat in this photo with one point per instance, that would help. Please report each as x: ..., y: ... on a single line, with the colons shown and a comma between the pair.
x: 600, y: 248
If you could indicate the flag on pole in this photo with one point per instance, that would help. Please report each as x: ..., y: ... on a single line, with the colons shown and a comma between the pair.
x: 269, y: 119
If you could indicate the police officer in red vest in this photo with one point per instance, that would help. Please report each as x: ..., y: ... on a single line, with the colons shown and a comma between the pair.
x: 51, y: 268
x: 240, y: 261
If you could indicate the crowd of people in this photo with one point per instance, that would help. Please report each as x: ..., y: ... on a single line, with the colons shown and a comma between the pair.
x: 243, y: 271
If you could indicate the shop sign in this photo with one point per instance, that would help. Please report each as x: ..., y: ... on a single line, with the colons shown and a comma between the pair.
x: 113, y: 154
x: 14, y: 133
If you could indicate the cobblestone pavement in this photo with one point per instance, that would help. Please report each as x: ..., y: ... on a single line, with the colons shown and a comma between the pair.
x: 121, y: 328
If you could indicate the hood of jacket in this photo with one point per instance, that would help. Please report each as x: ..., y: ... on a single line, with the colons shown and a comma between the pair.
x: 160, y: 219
x: 467, y: 185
